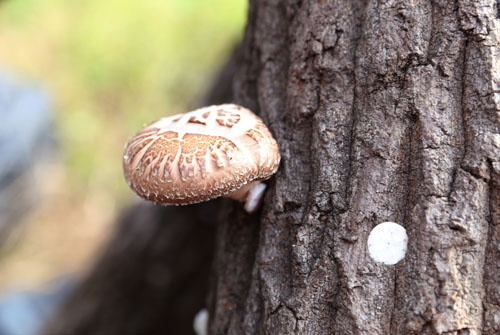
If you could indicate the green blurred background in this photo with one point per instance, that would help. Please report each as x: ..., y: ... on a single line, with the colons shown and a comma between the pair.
x: 110, y: 66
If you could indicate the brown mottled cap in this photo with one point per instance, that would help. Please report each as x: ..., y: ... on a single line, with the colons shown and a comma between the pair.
x: 200, y: 155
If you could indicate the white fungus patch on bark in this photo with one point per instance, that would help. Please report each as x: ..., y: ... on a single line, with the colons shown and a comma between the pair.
x: 387, y: 243
x: 200, y: 322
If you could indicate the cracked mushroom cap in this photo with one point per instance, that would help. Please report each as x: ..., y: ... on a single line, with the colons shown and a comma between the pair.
x: 200, y: 155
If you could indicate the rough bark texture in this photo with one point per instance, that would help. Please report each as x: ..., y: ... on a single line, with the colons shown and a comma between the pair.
x: 383, y: 111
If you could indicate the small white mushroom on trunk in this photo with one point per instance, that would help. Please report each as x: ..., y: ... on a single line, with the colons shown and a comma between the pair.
x: 214, y: 151
x: 251, y: 194
x: 387, y: 243
x: 200, y: 322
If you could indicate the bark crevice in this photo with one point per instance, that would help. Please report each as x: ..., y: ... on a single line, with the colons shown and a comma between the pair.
x: 377, y: 121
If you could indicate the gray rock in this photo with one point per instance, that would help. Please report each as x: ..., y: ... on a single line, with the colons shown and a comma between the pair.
x: 25, y: 141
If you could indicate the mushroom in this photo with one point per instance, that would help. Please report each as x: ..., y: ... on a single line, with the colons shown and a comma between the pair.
x: 214, y: 151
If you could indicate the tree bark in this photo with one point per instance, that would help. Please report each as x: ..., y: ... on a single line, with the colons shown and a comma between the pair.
x: 383, y: 111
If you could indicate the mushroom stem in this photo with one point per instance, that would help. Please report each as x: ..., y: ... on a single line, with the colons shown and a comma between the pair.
x: 251, y: 193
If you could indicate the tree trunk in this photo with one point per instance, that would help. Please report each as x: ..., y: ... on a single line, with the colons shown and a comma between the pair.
x: 383, y: 111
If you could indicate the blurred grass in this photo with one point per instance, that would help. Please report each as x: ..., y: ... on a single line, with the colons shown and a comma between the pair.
x: 114, y: 65
x: 110, y: 66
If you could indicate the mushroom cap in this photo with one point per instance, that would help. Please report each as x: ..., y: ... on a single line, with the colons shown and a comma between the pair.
x: 200, y: 155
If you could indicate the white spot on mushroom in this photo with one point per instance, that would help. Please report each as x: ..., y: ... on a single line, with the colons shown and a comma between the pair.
x: 200, y: 322
x: 387, y: 243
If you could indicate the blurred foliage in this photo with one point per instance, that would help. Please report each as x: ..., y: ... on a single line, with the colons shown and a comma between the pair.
x: 114, y: 65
